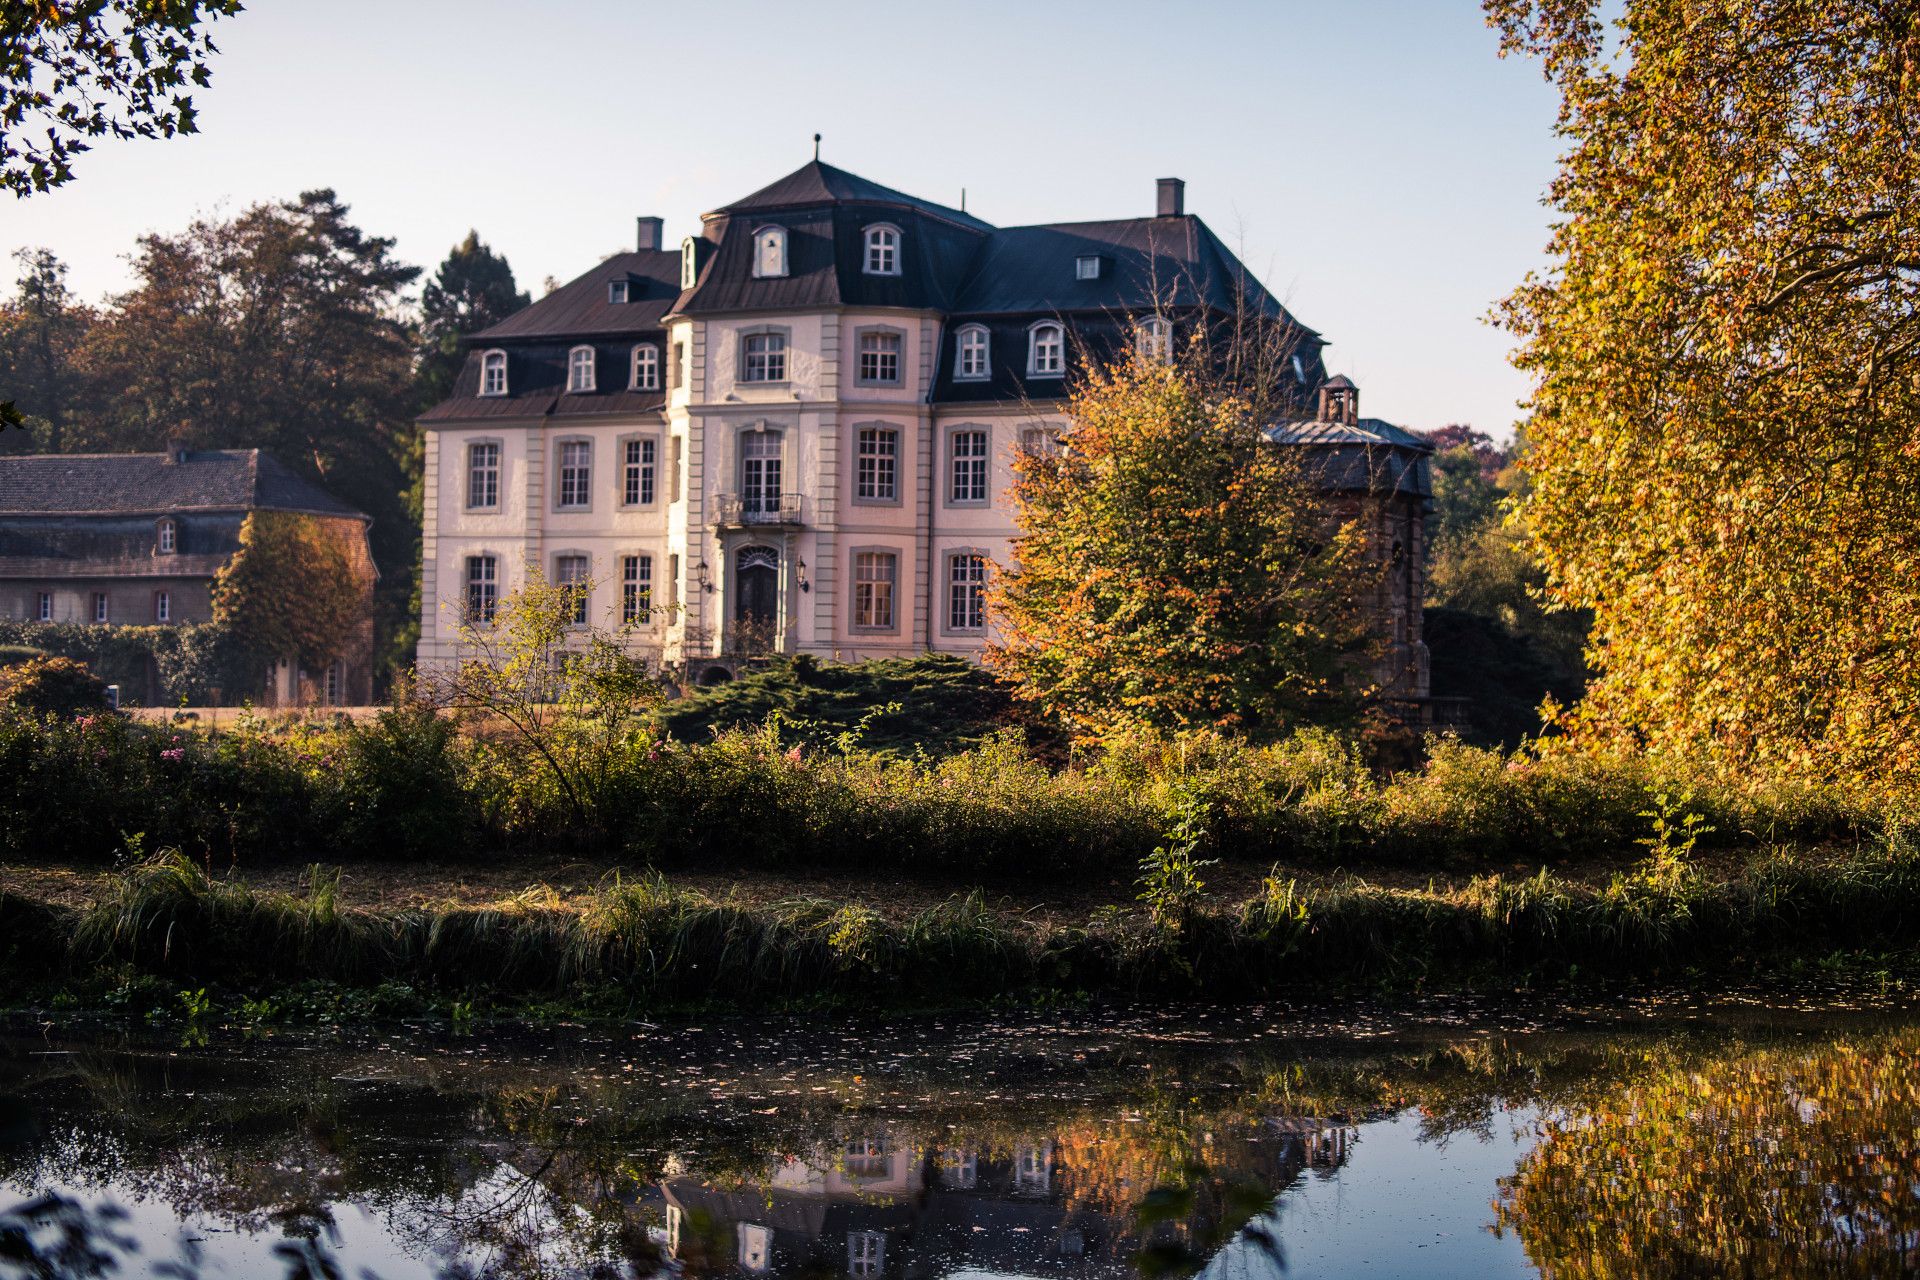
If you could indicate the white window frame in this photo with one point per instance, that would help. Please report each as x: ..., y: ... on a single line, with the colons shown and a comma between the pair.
x: 866, y: 1254
x: 965, y: 347
x: 885, y: 458
x: 770, y: 253
x: 563, y: 564
x: 1153, y: 339
x: 482, y: 576
x: 747, y: 339
x: 882, y: 256
x: 1038, y: 348
x: 581, y: 359
x: 163, y: 606
x: 617, y: 293
x: 1086, y: 266
x: 636, y: 589
x: 867, y: 595
x: 974, y: 584
x: 974, y: 465
x: 689, y: 263
x: 43, y: 606
x: 166, y: 536
x: 491, y: 363
x: 102, y: 609
x: 573, y: 480
x: 756, y: 1247
x: 639, y: 470
x: 645, y: 367
x: 488, y: 473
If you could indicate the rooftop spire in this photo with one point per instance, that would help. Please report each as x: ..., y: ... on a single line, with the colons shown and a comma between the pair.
x: 816, y: 146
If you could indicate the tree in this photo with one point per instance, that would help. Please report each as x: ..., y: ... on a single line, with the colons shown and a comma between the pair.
x: 292, y: 590
x: 107, y: 68
x: 473, y: 290
x: 1727, y: 395
x: 1175, y: 569
x: 41, y: 333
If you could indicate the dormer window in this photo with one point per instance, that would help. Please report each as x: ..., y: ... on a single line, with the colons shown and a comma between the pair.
x: 493, y: 373
x: 689, y: 262
x: 580, y: 369
x: 1046, y: 351
x: 1086, y: 267
x: 1153, y: 339
x: 770, y: 252
x: 883, y: 250
x: 646, y: 368
x: 616, y: 292
x: 974, y: 360
x: 166, y: 536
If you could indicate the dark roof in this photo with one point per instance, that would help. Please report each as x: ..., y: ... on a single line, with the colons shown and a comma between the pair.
x: 1370, y: 456
x: 580, y: 308
x: 537, y: 383
x: 819, y: 183
x: 154, y: 484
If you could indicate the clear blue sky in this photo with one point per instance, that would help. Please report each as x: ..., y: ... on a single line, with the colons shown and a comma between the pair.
x: 1376, y: 163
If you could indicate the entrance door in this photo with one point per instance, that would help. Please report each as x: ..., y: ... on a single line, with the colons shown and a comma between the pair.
x: 756, y: 605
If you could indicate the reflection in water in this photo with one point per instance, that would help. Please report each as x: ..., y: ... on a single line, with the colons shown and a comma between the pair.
x: 1162, y: 1146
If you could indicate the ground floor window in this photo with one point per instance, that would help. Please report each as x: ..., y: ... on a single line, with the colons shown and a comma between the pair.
x: 573, y: 572
x: 866, y: 1254
x: 483, y: 588
x: 162, y: 607
x: 966, y: 591
x: 874, y: 575
x: 636, y: 589
x: 99, y: 606
x: 43, y: 606
x: 336, y: 683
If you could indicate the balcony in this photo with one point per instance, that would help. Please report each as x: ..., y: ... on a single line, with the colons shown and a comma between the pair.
x: 734, y: 511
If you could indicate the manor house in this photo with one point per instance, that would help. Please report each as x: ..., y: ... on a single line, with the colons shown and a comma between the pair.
x: 794, y: 433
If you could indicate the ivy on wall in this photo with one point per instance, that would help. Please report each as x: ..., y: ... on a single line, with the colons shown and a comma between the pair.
x: 292, y: 590
x: 190, y: 661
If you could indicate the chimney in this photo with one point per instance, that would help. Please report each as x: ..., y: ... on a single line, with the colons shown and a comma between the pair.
x: 176, y: 445
x: 651, y: 230
x: 1173, y: 198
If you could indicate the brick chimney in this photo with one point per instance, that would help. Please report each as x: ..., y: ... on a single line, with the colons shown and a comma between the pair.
x: 176, y: 445
x: 1173, y: 198
x: 650, y: 231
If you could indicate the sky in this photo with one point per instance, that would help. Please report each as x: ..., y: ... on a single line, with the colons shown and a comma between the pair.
x: 1374, y: 161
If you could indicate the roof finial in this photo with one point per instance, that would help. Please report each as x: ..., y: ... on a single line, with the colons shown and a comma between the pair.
x: 816, y: 146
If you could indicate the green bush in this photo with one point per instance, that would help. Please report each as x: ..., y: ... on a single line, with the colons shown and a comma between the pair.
x: 53, y: 687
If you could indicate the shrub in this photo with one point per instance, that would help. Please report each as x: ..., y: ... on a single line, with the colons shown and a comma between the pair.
x: 53, y: 686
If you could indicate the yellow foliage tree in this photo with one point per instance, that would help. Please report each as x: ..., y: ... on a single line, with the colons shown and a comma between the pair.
x: 291, y: 590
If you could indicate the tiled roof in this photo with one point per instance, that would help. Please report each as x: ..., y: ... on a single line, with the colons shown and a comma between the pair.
x: 1371, y: 456
x: 580, y: 308
x: 152, y: 483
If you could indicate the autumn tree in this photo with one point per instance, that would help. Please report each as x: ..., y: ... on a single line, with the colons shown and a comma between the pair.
x: 1726, y: 355
x: 1174, y: 568
x: 292, y: 590
x: 473, y: 290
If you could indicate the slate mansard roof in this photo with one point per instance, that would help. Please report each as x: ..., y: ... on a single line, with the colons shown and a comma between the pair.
x: 72, y: 484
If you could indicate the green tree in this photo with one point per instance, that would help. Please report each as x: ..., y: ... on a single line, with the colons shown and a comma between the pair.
x: 1727, y: 395
x: 41, y: 332
x: 1175, y: 569
x: 106, y: 68
x: 473, y: 290
x: 292, y: 590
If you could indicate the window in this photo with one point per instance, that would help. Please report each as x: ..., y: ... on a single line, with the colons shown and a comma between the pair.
x: 1153, y: 339
x: 637, y: 475
x: 576, y: 474
x: 1086, y: 267
x: 483, y: 474
x: 973, y: 361
x: 1033, y: 1167
x: 493, y: 373
x: 336, y: 685
x: 580, y: 369
x: 162, y: 606
x: 877, y: 472
x: 616, y: 292
x: 676, y: 367
x: 760, y: 472
x: 966, y: 591
x: 969, y: 476
x: 866, y: 1254
x: 43, y: 607
x: 883, y: 251
x: 959, y: 1170
x: 646, y: 368
x: 636, y: 590
x: 1046, y: 351
x: 689, y: 262
x: 873, y: 582
x: 770, y: 252
x: 99, y: 606
x: 483, y: 588
x: 880, y: 359
x: 756, y: 1247
x: 1039, y: 442
x: 573, y: 572
x: 764, y: 357
x: 166, y: 536
x: 868, y: 1157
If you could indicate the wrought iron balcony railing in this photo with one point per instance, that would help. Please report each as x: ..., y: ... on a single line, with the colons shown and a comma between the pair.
x: 733, y: 509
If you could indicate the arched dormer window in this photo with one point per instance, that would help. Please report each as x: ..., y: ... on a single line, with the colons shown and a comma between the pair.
x: 580, y: 369
x: 1153, y: 339
x: 166, y: 536
x: 1047, y: 350
x: 689, y: 262
x: 883, y: 250
x: 493, y: 373
x: 973, y: 353
x: 646, y: 368
x: 770, y: 252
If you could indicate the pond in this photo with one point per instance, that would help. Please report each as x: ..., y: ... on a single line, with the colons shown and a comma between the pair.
x: 1677, y: 1140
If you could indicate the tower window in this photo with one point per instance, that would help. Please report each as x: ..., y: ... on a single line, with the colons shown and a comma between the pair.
x: 883, y: 251
x: 580, y: 369
x: 770, y: 252
x: 973, y: 347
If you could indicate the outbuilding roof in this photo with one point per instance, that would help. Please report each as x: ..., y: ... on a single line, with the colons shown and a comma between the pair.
x: 1367, y: 456
x: 158, y: 483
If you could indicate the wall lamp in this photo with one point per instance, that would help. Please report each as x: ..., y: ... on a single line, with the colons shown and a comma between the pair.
x: 701, y: 576
x: 804, y: 584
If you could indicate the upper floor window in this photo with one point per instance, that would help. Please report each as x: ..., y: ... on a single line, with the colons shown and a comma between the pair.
x: 483, y: 474
x: 764, y: 358
x: 576, y: 474
x: 968, y: 480
x: 166, y: 536
x: 770, y: 252
x: 1046, y: 351
x: 877, y: 475
x: 483, y: 588
x: 883, y: 251
x: 689, y: 262
x: 866, y: 1254
x: 580, y: 369
x: 616, y: 291
x: 880, y: 358
x: 493, y: 373
x: 973, y: 349
x: 1039, y: 442
x: 760, y: 472
x: 637, y: 486
x: 1153, y: 339
x: 646, y: 367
